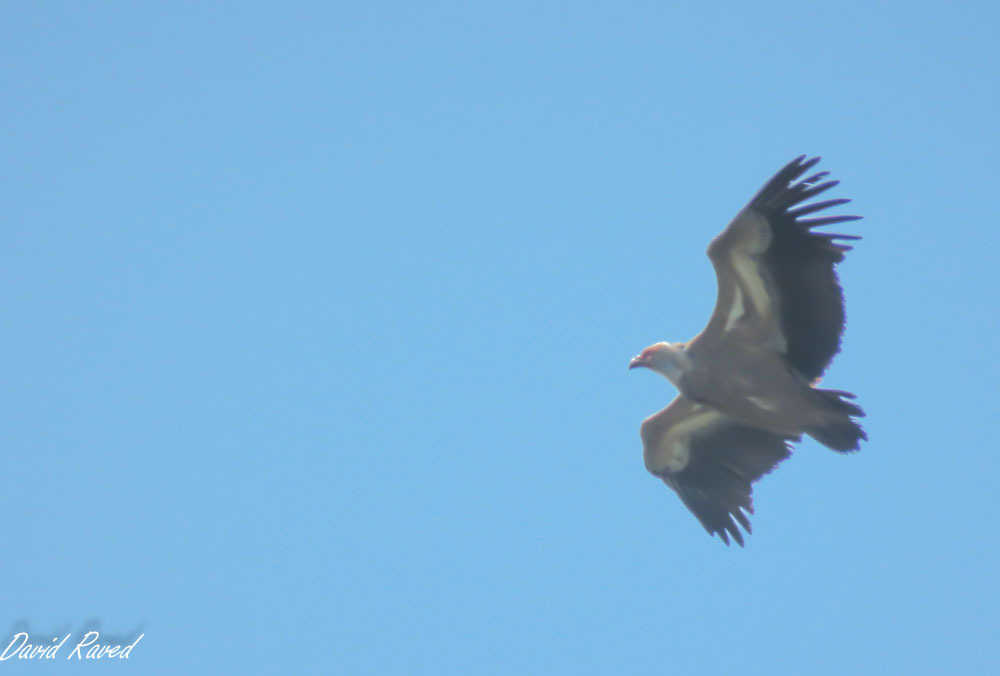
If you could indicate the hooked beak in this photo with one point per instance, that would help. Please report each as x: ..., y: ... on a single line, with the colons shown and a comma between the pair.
x: 636, y: 362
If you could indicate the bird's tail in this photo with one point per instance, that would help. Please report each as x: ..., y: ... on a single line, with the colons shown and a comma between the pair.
x: 837, y: 429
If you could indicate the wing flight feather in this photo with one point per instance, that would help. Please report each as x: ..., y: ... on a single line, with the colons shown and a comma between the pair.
x: 776, y: 279
x: 711, y: 461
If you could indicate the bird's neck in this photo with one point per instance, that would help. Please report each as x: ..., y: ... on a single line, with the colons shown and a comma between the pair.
x: 674, y: 363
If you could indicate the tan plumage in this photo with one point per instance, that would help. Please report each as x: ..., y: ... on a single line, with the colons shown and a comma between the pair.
x: 747, y: 381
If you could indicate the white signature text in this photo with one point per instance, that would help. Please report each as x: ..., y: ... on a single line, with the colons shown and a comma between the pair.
x: 88, y: 648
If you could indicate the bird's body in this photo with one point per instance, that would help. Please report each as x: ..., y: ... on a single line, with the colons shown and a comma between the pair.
x: 751, y: 383
x: 748, y: 381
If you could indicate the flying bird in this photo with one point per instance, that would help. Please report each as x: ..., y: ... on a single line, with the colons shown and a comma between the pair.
x: 748, y: 382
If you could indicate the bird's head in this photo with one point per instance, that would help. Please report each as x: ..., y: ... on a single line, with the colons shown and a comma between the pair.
x: 667, y: 359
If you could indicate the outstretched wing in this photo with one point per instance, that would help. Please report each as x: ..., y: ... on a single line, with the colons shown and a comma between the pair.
x: 777, y: 283
x: 711, y: 461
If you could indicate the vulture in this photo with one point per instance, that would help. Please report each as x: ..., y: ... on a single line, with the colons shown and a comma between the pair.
x: 748, y: 382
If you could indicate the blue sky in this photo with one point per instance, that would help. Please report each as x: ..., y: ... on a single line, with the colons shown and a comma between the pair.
x: 317, y: 322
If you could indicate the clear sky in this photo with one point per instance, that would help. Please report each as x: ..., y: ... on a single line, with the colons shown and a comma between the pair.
x: 317, y: 318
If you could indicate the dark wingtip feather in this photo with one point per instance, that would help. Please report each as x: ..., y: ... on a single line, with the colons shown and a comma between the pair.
x: 815, y: 177
x: 744, y: 521
x: 813, y: 190
x: 737, y: 535
x: 827, y: 220
x: 778, y: 184
x: 817, y: 206
x: 834, y: 235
